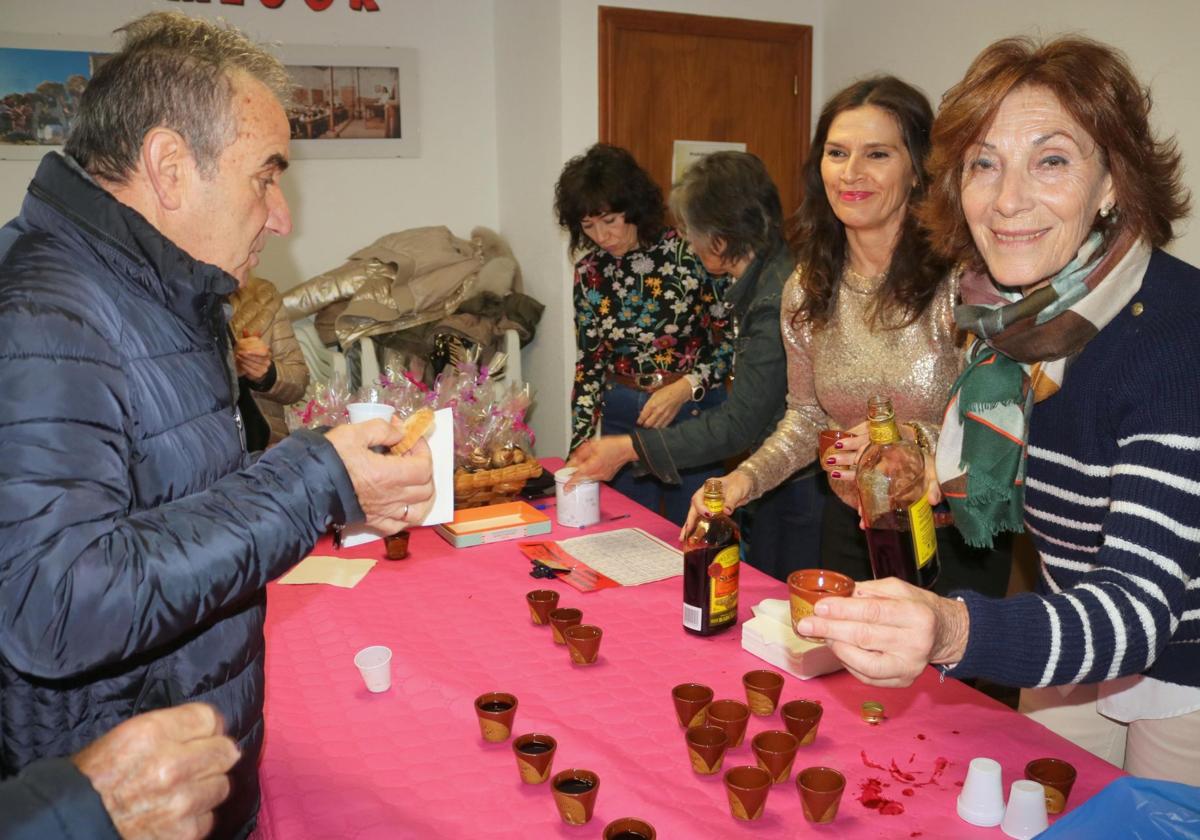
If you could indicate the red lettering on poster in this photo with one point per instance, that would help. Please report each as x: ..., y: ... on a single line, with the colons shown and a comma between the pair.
x: 272, y: 4
x: 319, y: 5
x: 363, y: 6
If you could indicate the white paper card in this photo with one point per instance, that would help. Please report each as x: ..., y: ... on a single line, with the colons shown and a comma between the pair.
x: 629, y: 556
x: 440, y: 438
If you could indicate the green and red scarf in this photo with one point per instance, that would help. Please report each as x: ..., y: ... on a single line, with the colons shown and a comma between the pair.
x: 1021, y: 349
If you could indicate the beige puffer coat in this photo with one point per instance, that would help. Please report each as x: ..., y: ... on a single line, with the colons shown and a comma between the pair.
x: 258, y: 310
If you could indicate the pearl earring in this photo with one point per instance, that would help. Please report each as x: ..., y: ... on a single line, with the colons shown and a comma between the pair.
x: 1105, y: 210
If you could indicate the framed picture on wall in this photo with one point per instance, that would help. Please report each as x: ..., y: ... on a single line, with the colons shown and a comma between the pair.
x: 351, y: 102
x: 41, y: 80
x: 347, y: 102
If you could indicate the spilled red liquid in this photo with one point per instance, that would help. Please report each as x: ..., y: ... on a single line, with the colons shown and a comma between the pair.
x: 871, y: 793
x: 871, y: 796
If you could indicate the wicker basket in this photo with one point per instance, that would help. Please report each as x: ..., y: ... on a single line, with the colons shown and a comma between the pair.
x: 490, y: 487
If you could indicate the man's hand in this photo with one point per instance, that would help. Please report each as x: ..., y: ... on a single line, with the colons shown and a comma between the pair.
x: 664, y: 404
x: 161, y: 774
x: 735, y: 486
x: 393, y: 490
x: 599, y: 459
x: 252, y: 357
x: 889, y: 630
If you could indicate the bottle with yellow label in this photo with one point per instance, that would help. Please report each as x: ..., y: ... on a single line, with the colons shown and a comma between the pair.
x: 891, y: 486
x: 710, y: 568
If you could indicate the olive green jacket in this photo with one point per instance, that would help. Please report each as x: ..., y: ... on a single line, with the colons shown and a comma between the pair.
x: 758, y: 397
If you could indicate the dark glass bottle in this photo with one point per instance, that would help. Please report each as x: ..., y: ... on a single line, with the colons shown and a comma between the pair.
x: 710, y: 568
x: 891, y: 487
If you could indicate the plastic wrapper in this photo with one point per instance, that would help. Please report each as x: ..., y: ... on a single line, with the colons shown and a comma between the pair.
x: 1133, y: 809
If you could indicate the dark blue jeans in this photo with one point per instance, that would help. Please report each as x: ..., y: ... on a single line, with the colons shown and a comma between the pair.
x: 619, y: 415
x: 781, y: 530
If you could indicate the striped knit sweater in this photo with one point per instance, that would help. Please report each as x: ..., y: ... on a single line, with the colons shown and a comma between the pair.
x: 1112, y: 501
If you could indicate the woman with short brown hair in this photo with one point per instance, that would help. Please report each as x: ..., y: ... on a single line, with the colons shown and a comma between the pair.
x: 1078, y: 413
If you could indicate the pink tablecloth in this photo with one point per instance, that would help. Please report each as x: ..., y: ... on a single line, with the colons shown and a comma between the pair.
x: 342, y: 763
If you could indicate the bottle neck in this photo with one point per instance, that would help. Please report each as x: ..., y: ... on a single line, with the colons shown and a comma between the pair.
x: 714, y: 504
x: 883, y: 431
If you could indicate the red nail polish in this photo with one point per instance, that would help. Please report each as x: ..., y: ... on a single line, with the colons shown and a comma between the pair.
x: 836, y: 474
x: 831, y: 460
x: 837, y: 444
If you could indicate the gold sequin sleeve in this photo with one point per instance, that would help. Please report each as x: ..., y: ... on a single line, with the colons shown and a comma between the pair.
x: 793, y: 444
x: 834, y: 369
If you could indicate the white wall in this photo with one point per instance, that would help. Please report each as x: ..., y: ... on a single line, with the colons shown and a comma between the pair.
x: 930, y: 43
x: 340, y: 205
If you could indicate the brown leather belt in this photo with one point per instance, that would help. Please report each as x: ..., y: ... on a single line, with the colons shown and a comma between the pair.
x: 645, y: 381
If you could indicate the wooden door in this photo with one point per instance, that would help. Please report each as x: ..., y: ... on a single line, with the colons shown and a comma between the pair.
x: 667, y: 77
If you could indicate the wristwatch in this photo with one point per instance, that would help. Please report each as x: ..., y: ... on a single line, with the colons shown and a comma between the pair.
x: 698, y: 391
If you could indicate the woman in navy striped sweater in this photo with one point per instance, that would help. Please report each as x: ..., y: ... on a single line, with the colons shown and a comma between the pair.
x: 1078, y: 411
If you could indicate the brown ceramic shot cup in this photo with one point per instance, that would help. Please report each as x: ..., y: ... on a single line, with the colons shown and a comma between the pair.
x: 821, y: 791
x: 535, y: 757
x: 583, y: 643
x: 706, y: 747
x: 396, y: 545
x: 747, y: 788
x: 1056, y: 777
x: 827, y: 438
x: 575, y: 795
x: 808, y: 586
x: 540, y: 602
x: 629, y: 828
x: 691, y: 701
x: 762, y: 691
x: 775, y: 751
x: 801, y: 718
x: 496, y: 711
x: 561, y: 619
x: 730, y: 715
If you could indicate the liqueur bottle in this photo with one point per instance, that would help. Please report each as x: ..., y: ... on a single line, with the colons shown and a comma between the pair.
x: 710, y: 568
x: 891, y: 487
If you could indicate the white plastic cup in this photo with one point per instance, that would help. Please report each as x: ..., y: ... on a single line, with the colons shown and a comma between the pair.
x: 375, y: 665
x: 1025, y: 816
x: 981, y: 801
x: 579, y: 506
x: 361, y: 412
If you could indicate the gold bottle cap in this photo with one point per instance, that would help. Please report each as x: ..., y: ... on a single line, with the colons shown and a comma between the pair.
x: 872, y: 713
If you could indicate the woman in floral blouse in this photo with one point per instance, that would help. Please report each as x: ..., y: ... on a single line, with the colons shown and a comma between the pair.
x: 649, y: 321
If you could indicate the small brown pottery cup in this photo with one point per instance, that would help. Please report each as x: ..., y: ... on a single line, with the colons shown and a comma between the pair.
x: 583, y: 643
x: 732, y: 716
x: 561, y: 619
x: 396, y: 545
x: 706, y: 747
x: 1056, y: 776
x: 827, y: 438
x: 801, y: 718
x: 808, y: 586
x: 747, y: 788
x: 540, y: 602
x: 691, y: 700
x: 535, y: 757
x: 775, y: 751
x: 762, y: 690
x: 575, y: 795
x: 820, y: 790
x: 629, y: 828
x: 496, y: 711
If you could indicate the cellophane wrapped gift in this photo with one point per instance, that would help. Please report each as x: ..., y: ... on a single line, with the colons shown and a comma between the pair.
x: 494, y: 448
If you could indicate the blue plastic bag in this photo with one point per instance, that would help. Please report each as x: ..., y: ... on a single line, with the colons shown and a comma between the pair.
x: 1133, y: 809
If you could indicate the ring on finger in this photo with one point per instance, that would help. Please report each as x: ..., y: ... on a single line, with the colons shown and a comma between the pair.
x: 404, y: 516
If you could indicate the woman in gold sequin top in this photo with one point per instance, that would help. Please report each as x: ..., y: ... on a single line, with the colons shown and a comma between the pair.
x: 869, y: 309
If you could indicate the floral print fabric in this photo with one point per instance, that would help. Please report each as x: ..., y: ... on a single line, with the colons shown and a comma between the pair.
x: 653, y: 309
